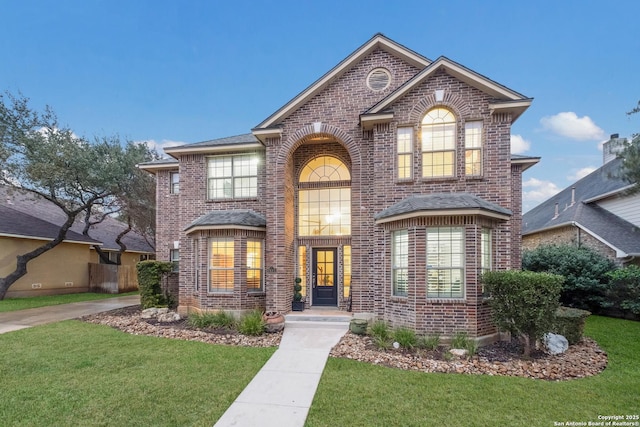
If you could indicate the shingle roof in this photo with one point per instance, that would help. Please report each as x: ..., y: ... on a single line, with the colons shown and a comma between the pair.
x: 105, y: 232
x: 16, y: 223
x: 247, y: 138
x: 585, y: 213
x: 230, y: 217
x: 440, y: 202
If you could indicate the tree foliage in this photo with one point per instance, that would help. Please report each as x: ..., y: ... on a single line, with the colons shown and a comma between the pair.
x: 523, y: 302
x: 624, y: 289
x: 585, y: 272
x: 631, y: 164
x: 40, y: 156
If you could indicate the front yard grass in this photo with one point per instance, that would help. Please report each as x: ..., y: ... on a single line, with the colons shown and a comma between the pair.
x: 13, y: 304
x: 359, y: 394
x: 79, y: 374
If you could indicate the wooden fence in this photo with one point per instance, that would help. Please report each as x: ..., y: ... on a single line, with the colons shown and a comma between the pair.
x: 112, y: 279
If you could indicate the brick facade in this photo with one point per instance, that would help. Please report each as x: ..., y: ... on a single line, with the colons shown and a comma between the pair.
x: 328, y: 123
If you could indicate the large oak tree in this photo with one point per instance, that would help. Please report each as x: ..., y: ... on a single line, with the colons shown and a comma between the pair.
x: 80, y: 177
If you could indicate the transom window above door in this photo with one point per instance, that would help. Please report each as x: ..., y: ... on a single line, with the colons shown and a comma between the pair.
x: 324, y: 209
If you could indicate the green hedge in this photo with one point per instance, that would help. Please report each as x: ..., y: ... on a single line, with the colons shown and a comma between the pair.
x: 569, y: 322
x: 150, y: 274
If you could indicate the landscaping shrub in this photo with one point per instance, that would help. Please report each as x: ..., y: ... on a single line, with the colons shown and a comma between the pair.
x: 569, y: 322
x: 220, y: 319
x: 624, y: 290
x: 523, y: 302
x: 252, y: 323
x: 584, y: 270
x: 462, y: 340
x: 381, y: 334
x: 429, y: 342
x: 150, y: 275
x: 405, y: 337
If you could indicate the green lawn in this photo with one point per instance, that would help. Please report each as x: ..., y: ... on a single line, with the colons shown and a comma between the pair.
x: 13, y: 304
x: 358, y: 394
x: 78, y: 374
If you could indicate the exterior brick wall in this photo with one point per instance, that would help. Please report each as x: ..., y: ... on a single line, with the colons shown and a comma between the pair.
x: 328, y: 124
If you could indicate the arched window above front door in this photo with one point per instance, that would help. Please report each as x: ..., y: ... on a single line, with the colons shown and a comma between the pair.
x: 325, y: 168
x: 324, y: 198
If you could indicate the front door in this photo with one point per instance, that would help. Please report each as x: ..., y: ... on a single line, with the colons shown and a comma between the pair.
x: 325, y: 277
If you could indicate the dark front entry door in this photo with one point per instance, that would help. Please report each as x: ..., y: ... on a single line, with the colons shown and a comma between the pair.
x: 325, y: 277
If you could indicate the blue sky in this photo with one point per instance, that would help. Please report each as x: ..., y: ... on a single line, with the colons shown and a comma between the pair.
x: 173, y: 72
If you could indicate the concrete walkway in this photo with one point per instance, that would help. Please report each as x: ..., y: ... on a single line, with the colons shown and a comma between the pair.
x: 282, y: 391
x: 15, y: 320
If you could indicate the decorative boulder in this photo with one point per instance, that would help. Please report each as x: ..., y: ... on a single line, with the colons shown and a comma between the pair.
x: 555, y: 344
x: 171, y: 316
x: 459, y: 352
x: 153, y: 312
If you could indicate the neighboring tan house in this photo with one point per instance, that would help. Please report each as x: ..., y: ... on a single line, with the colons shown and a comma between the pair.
x: 387, y: 186
x: 26, y: 221
x: 597, y: 212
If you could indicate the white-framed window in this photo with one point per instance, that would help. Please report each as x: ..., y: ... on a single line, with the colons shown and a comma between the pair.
x: 404, y: 148
x: 473, y: 148
x: 232, y: 177
x: 400, y: 263
x: 174, y: 186
x: 445, y: 262
x: 438, y: 143
x: 195, y: 247
x: 486, y: 253
x: 221, y: 265
x: 255, y: 266
x: 174, y: 259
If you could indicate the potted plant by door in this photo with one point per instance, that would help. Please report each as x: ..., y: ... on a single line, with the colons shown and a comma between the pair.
x: 297, y: 304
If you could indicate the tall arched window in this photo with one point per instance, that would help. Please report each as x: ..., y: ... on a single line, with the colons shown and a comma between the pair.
x: 324, y: 198
x: 438, y: 143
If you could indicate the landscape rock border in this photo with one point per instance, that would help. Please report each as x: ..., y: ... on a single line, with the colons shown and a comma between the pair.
x: 580, y: 360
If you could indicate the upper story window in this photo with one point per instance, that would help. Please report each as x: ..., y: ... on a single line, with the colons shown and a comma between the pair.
x: 438, y: 143
x: 324, y: 198
x: 405, y: 152
x: 473, y: 148
x: 232, y: 177
x: 174, y: 186
x: 378, y: 79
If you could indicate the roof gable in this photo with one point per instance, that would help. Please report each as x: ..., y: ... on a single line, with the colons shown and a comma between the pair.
x: 378, y: 41
x: 507, y: 100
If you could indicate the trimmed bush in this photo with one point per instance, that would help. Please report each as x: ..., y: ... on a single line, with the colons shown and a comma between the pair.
x: 523, y: 302
x: 569, y: 322
x: 150, y: 275
x: 220, y: 319
x: 381, y: 334
x: 584, y: 271
x: 405, y: 337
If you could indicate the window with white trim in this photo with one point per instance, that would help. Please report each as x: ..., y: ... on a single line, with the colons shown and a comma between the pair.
x: 404, y: 148
x: 174, y: 259
x: 445, y: 262
x: 221, y: 265
x: 232, y: 177
x: 400, y: 263
x: 486, y: 252
x: 438, y: 143
x: 255, y: 264
x: 473, y: 148
x: 174, y: 187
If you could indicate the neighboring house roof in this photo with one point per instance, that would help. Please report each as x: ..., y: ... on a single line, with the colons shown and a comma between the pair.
x: 14, y: 223
x: 576, y: 206
x: 104, y: 232
x: 233, y: 218
x: 441, y: 204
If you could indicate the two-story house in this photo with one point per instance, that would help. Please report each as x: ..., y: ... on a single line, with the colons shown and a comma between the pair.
x: 387, y: 186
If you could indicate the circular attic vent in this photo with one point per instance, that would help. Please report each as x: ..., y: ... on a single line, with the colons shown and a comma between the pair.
x: 378, y: 79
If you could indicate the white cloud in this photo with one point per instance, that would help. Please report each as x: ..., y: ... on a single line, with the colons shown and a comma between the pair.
x: 569, y: 125
x: 519, y: 145
x: 161, y: 145
x: 580, y: 173
x: 535, y: 191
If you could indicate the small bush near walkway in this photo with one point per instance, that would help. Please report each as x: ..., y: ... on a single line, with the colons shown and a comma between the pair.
x: 150, y: 276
